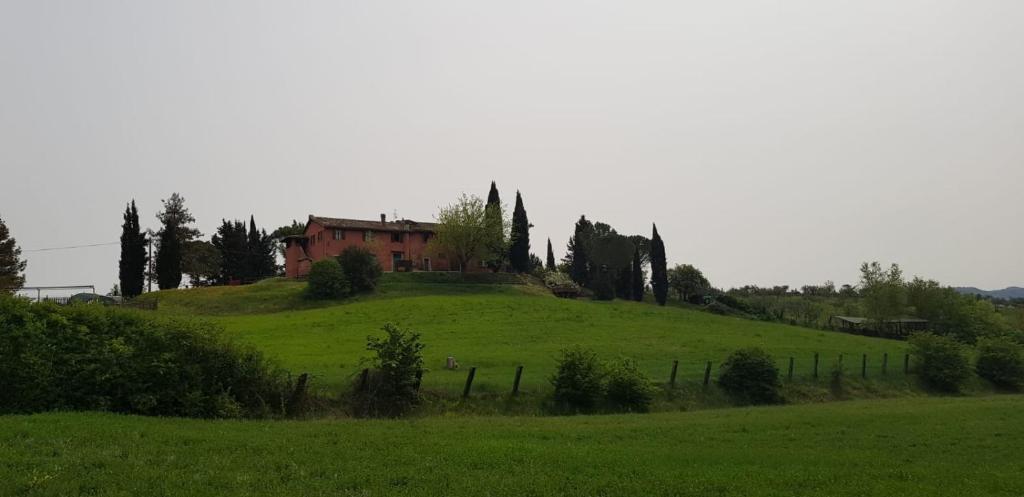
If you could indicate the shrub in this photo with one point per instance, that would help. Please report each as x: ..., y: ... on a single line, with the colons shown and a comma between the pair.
x: 392, y: 388
x: 554, y: 279
x: 628, y: 388
x: 361, y: 268
x: 90, y: 357
x: 750, y: 376
x: 579, y: 380
x: 327, y: 280
x: 939, y: 361
x: 1001, y: 361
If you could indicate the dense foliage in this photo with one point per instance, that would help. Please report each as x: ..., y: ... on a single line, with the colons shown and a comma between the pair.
x: 392, y: 387
x: 578, y: 380
x: 361, y: 268
x: 689, y: 283
x: 627, y: 388
x: 1001, y: 361
x: 327, y: 280
x: 750, y: 376
x: 465, y: 233
x: 89, y: 357
x: 245, y: 254
x: 939, y: 361
x: 132, y: 265
x: 550, y: 262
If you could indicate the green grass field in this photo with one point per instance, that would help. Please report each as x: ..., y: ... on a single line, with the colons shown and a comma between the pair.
x: 496, y: 327
x: 886, y: 448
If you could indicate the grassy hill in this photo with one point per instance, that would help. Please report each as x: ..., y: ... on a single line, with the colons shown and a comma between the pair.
x: 496, y: 322
x: 904, y: 447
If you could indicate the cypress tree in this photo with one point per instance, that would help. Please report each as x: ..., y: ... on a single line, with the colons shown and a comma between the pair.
x: 577, y: 252
x: 260, y: 247
x: 11, y: 265
x: 551, y: 257
x: 638, y: 276
x: 492, y: 196
x: 659, y: 269
x: 132, y: 266
x: 168, y: 258
x: 496, y: 246
x: 519, y: 252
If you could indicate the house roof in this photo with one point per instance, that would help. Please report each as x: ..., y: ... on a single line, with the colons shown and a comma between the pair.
x: 359, y: 224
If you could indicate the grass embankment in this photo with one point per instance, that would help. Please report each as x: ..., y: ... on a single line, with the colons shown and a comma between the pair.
x: 934, y: 447
x: 496, y: 327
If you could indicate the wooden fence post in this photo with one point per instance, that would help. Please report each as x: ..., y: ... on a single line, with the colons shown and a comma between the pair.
x: 672, y: 377
x: 469, y: 382
x: 364, y: 380
x: 815, y: 365
x: 790, y: 373
x: 515, y: 384
x: 298, y: 400
x: 885, y: 364
x: 707, y: 373
x: 864, y: 366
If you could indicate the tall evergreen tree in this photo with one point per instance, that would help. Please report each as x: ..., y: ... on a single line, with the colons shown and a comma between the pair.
x: 577, y: 252
x: 168, y: 258
x: 638, y: 276
x: 262, y: 262
x: 497, y: 245
x: 231, y: 240
x: 12, y: 268
x: 519, y: 251
x: 659, y: 269
x: 176, y: 231
x: 132, y: 266
x: 551, y: 257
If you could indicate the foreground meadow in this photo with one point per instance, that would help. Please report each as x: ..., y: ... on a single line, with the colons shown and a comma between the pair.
x: 496, y: 327
x: 896, y: 447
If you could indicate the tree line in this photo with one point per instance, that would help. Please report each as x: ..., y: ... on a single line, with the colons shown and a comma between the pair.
x: 238, y: 252
x: 598, y: 258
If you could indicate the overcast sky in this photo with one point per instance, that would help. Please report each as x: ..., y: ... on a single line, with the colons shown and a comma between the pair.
x: 772, y: 142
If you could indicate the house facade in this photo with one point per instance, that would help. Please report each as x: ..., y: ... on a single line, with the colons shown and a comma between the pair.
x: 399, y: 245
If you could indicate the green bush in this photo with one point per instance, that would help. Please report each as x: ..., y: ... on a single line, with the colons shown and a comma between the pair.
x: 1001, y: 361
x: 627, y: 388
x: 392, y: 387
x: 361, y: 268
x: 579, y: 380
x: 939, y: 361
x: 750, y: 376
x: 327, y: 280
x: 91, y: 357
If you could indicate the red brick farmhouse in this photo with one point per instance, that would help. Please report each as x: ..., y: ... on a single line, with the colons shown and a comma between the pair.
x: 399, y: 245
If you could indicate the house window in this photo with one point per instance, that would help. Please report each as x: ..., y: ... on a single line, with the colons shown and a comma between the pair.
x: 426, y: 237
x: 426, y: 263
x: 367, y: 236
x: 339, y: 234
x: 396, y: 237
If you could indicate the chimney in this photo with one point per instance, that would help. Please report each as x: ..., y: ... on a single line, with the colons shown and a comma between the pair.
x: 383, y: 218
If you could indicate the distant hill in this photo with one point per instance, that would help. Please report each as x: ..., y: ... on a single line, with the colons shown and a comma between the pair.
x: 1013, y: 292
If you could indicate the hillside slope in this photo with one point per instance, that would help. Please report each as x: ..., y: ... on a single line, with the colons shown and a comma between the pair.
x: 497, y: 327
